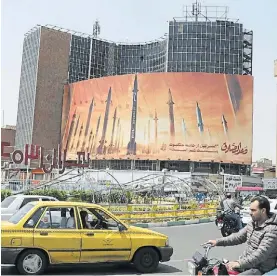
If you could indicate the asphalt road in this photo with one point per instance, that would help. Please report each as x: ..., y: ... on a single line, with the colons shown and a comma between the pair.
x: 185, y: 240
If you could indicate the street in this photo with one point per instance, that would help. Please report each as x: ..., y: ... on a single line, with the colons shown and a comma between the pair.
x: 185, y: 240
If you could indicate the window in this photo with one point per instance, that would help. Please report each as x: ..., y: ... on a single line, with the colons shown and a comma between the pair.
x: 33, y: 220
x: 27, y: 200
x: 7, y: 201
x: 21, y: 213
x: 106, y: 221
x: 47, y: 199
x: 58, y: 218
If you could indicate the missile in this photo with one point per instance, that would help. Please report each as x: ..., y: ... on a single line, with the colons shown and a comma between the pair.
x: 75, y: 132
x: 199, y: 118
x: 117, y: 133
x: 96, y: 134
x: 110, y: 150
x: 234, y: 91
x: 224, y: 123
x: 156, y: 129
x: 72, y: 124
x: 118, y: 141
x: 89, y: 116
x: 80, y: 135
x: 92, y: 143
x: 171, y: 115
x: 105, y: 124
x: 149, y: 136
x: 132, y: 145
x: 90, y: 136
x: 184, y: 126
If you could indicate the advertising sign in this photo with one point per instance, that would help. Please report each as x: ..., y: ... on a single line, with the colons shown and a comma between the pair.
x: 231, y: 182
x: 165, y: 116
x: 270, y: 184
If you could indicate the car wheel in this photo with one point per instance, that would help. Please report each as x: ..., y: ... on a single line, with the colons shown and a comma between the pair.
x: 146, y: 260
x: 31, y: 262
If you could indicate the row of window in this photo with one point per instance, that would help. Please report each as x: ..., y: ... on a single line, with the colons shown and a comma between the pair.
x: 66, y: 218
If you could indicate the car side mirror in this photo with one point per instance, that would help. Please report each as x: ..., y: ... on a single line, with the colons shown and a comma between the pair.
x: 121, y: 227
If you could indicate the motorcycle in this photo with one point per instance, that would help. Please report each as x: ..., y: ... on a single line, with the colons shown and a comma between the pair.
x: 202, y: 265
x: 225, y: 224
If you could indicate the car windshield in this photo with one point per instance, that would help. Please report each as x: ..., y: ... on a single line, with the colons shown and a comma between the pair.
x: 7, y: 201
x: 21, y: 213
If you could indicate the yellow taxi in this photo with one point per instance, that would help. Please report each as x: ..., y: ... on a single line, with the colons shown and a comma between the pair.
x: 54, y: 232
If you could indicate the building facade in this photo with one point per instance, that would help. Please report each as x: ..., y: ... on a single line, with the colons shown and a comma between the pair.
x: 54, y: 56
x: 275, y: 75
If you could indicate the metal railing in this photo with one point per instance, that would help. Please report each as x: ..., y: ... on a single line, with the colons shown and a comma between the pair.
x: 165, y: 215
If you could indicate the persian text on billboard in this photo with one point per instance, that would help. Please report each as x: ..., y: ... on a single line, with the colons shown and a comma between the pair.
x: 185, y: 116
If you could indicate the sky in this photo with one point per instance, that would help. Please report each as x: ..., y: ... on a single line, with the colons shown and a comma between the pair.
x: 138, y: 21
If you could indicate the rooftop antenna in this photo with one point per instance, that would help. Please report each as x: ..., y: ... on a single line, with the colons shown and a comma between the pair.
x: 196, y: 9
x: 96, y: 28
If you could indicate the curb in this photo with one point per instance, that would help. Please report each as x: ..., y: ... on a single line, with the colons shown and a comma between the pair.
x: 174, y: 223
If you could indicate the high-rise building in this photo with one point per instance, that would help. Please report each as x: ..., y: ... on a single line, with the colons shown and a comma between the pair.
x: 275, y: 75
x: 203, y: 40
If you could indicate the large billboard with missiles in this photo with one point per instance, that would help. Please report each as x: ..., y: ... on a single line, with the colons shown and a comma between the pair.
x: 166, y: 116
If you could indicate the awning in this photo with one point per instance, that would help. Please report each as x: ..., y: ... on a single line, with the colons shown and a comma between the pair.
x: 249, y: 189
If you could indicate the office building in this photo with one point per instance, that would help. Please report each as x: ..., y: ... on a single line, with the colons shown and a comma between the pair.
x: 203, y: 40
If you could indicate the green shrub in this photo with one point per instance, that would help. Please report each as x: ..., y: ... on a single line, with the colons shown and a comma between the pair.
x: 5, y: 193
x: 60, y: 195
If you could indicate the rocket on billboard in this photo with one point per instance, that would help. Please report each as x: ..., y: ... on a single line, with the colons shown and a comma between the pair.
x: 200, y: 124
x: 96, y: 135
x: 224, y: 123
x: 234, y: 91
x: 132, y: 145
x: 69, y: 139
x: 80, y: 135
x: 89, y: 116
x: 184, y: 128
x: 75, y: 132
x: 171, y: 116
x: 156, y: 130
x: 85, y: 138
x: 89, y: 140
x: 117, y: 133
x: 100, y: 149
x: 110, y: 150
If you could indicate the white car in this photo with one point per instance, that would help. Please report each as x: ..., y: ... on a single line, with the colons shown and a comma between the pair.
x: 12, y: 204
x: 245, y: 213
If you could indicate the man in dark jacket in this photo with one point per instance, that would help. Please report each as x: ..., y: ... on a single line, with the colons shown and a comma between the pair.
x: 260, y: 254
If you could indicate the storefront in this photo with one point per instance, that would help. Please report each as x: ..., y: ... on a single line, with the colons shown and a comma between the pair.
x: 270, y: 187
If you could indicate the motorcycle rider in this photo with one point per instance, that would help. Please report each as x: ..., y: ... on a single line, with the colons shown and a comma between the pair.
x: 229, y: 205
x: 260, y: 234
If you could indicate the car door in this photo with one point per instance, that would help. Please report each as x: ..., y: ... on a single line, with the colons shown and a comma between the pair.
x: 51, y: 233
x: 104, y: 245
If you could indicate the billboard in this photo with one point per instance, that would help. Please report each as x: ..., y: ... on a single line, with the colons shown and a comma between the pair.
x: 165, y: 116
